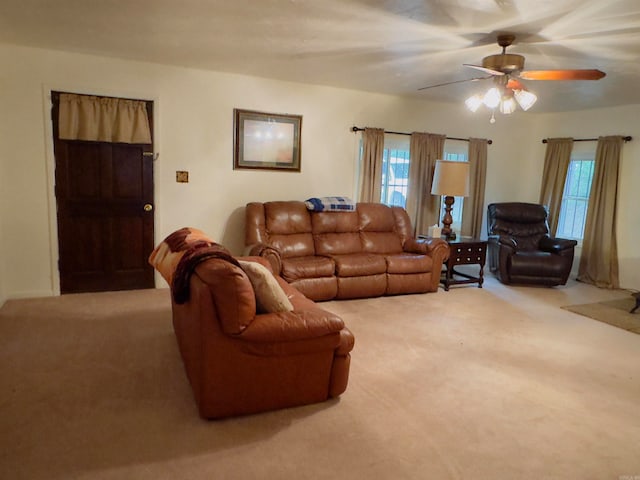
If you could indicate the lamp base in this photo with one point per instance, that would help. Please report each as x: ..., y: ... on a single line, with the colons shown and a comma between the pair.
x: 447, y: 219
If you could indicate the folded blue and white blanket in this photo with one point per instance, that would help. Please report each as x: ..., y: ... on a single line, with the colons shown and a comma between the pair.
x: 330, y: 204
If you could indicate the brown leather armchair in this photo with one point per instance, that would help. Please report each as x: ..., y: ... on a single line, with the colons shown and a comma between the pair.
x: 521, y: 249
x: 239, y: 361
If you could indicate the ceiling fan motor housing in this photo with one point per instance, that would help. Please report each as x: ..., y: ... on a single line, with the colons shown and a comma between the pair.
x: 505, y: 62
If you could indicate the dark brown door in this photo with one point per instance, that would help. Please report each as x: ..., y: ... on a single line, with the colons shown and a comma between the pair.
x: 104, y: 194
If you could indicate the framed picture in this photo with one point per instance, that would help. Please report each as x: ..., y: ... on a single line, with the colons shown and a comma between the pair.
x: 269, y: 141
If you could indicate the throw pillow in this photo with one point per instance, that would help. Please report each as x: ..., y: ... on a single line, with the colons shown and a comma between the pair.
x: 270, y: 297
x: 330, y: 204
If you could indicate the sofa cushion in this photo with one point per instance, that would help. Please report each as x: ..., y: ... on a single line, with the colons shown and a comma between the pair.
x: 408, y: 263
x: 359, y: 264
x: 307, y: 267
x: 231, y: 293
x: 335, y: 233
x: 380, y: 242
x: 287, y: 217
x: 294, y: 245
x: 270, y: 297
x: 375, y: 217
x: 361, y: 287
x: 378, y: 229
x: 337, y: 243
x: 288, y: 227
x: 536, y: 264
x: 402, y: 283
x: 526, y: 222
x: 331, y: 222
x: 317, y: 289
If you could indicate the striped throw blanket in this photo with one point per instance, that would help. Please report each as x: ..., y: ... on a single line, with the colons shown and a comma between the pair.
x: 330, y: 204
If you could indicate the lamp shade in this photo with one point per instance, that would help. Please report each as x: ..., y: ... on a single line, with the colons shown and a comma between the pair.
x: 525, y: 99
x: 451, y: 179
x: 473, y: 102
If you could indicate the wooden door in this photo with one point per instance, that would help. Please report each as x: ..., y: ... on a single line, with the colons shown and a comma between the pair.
x: 104, y: 194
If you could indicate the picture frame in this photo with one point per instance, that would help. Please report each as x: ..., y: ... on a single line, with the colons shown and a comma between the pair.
x: 267, y: 141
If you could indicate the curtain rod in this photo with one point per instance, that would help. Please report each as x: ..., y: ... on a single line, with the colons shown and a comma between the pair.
x: 358, y: 129
x: 626, y: 139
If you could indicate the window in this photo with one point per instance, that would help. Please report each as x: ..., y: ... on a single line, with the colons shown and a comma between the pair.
x: 395, y: 173
x: 575, y: 198
x: 395, y: 170
x: 395, y: 177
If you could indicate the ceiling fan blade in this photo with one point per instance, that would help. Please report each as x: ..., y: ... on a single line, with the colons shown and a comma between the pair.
x: 562, y: 74
x: 483, y: 69
x: 455, y: 81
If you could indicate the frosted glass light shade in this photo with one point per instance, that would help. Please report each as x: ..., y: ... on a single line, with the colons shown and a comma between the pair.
x: 492, y: 98
x: 508, y: 105
x: 451, y: 179
x: 474, y: 102
x: 525, y: 99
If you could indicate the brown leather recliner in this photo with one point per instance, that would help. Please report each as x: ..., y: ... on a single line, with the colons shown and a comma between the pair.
x: 521, y: 249
x: 241, y: 362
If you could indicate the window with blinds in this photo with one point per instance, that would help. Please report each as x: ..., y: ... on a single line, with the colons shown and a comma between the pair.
x: 575, y: 198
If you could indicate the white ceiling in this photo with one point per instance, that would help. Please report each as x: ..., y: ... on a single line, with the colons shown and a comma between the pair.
x: 388, y: 46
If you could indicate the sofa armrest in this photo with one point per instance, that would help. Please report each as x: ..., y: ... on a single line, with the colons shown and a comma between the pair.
x: 500, y: 249
x: 292, y: 326
x: 556, y: 245
x: 429, y: 246
x: 503, y: 241
x: 437, y: 249
x: 272, y: 254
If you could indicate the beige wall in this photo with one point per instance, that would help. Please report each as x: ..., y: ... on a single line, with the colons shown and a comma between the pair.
x: 194, y: 132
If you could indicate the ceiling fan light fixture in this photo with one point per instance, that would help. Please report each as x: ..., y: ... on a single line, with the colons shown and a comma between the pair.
x: 525, y: 99
x: 506, y: 70
x: 473, y: 102
x: 507, y: 105
x: 492, y: 98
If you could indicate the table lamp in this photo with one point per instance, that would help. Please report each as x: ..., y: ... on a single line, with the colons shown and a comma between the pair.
x: 450, y: 179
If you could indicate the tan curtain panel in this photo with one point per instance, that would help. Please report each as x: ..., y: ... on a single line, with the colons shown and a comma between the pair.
x: 371, y: 165
x: 473, y: 206
x: 422, y: 207
x: 102, y: 119
x: 554, y: 175
x: 599, y: 259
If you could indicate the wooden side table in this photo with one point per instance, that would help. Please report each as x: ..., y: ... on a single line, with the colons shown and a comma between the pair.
x: 464, y: 251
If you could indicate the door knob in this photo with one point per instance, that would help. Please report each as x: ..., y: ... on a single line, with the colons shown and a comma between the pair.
x: 148, y: 207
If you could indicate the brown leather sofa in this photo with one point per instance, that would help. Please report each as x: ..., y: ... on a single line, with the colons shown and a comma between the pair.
x: 241, y: 362
x: 520, y: 248
x: 363, y: 253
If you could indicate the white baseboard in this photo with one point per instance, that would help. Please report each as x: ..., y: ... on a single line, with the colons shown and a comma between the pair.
x: 30, y: 294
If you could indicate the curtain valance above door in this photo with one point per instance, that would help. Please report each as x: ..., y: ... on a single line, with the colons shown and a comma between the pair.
x: 103, y: 119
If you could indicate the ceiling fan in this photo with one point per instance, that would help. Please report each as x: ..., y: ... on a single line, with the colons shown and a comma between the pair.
x: 507, y: 69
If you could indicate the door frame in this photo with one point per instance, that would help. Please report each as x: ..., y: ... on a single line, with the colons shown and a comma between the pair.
x: 50, y: 160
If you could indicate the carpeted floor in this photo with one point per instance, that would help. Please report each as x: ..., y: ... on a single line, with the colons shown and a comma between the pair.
x: 492, y: 383
x: 614, y: 312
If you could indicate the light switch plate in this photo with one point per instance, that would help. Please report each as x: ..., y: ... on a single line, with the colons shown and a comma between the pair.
x: 182, y: 176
